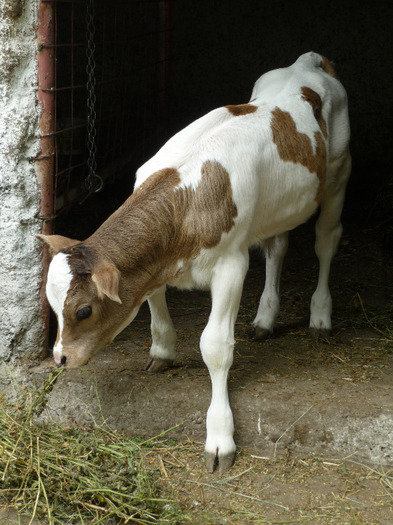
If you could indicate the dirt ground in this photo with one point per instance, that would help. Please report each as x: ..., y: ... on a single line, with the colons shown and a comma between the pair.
x: 313, y: 417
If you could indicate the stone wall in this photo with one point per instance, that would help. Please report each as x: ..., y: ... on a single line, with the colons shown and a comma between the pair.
x: 21, y: 333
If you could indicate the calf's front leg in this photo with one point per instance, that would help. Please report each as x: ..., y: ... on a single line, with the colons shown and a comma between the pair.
x: 217, y: 343
x: 162, y: 350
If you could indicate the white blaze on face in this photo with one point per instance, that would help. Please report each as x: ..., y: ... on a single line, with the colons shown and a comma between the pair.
x: 58, y: 284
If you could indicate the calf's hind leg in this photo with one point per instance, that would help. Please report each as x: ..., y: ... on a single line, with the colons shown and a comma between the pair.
x: 328, y: 230
x: 275, y: 249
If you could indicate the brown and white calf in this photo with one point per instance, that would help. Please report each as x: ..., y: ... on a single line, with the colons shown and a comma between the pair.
x: 240, y: 176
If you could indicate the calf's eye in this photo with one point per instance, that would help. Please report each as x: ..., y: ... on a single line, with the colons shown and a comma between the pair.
x: 83, y: 313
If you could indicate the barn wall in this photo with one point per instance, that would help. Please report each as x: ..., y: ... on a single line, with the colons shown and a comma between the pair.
x: 21, y: 331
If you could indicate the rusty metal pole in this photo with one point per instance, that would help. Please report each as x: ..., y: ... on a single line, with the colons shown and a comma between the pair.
x: 46, y: 158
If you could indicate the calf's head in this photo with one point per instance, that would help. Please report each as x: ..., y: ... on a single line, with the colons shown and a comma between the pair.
x: 83, y: 291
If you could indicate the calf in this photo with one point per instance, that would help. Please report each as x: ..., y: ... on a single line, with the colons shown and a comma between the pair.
x: 240, y: 176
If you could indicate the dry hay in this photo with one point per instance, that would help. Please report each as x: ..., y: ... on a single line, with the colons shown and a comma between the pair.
x: 271, y: 491
x: 70, y: 475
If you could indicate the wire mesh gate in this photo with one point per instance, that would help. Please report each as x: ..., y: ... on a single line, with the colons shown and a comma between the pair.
x: 105, y: 109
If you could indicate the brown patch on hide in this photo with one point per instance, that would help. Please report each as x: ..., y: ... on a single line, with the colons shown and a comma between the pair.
x: 81, y: 259
x: 315, y: 102
x: 162, y: 223
x: 297, y: 147
x: 206, y: 213
x: 181, y: 219
x: 241, y: 109
x: 187, y: 219
x: 84, y: 262
x: 329, y: 67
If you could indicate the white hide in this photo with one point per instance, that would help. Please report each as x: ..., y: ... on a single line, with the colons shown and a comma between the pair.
x: 57, y: 287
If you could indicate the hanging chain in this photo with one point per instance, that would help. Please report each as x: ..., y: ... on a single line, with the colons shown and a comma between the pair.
x: 94, y: 182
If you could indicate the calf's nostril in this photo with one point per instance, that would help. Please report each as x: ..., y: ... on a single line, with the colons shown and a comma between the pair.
x: 63, y: 360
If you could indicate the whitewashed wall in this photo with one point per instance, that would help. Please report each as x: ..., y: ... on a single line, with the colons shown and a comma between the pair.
x: 21, y: 333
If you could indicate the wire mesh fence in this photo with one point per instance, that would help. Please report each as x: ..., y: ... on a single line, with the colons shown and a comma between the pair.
x: 111, y: 62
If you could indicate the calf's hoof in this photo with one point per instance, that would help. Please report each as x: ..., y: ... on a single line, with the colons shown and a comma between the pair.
x: 158, y: 365
x: 261, y: 334
x: 220, y: 463
x: 319, y: 333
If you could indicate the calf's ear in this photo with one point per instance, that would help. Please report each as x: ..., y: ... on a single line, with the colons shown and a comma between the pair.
x: 56, y: 242
x: 107, y: 280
